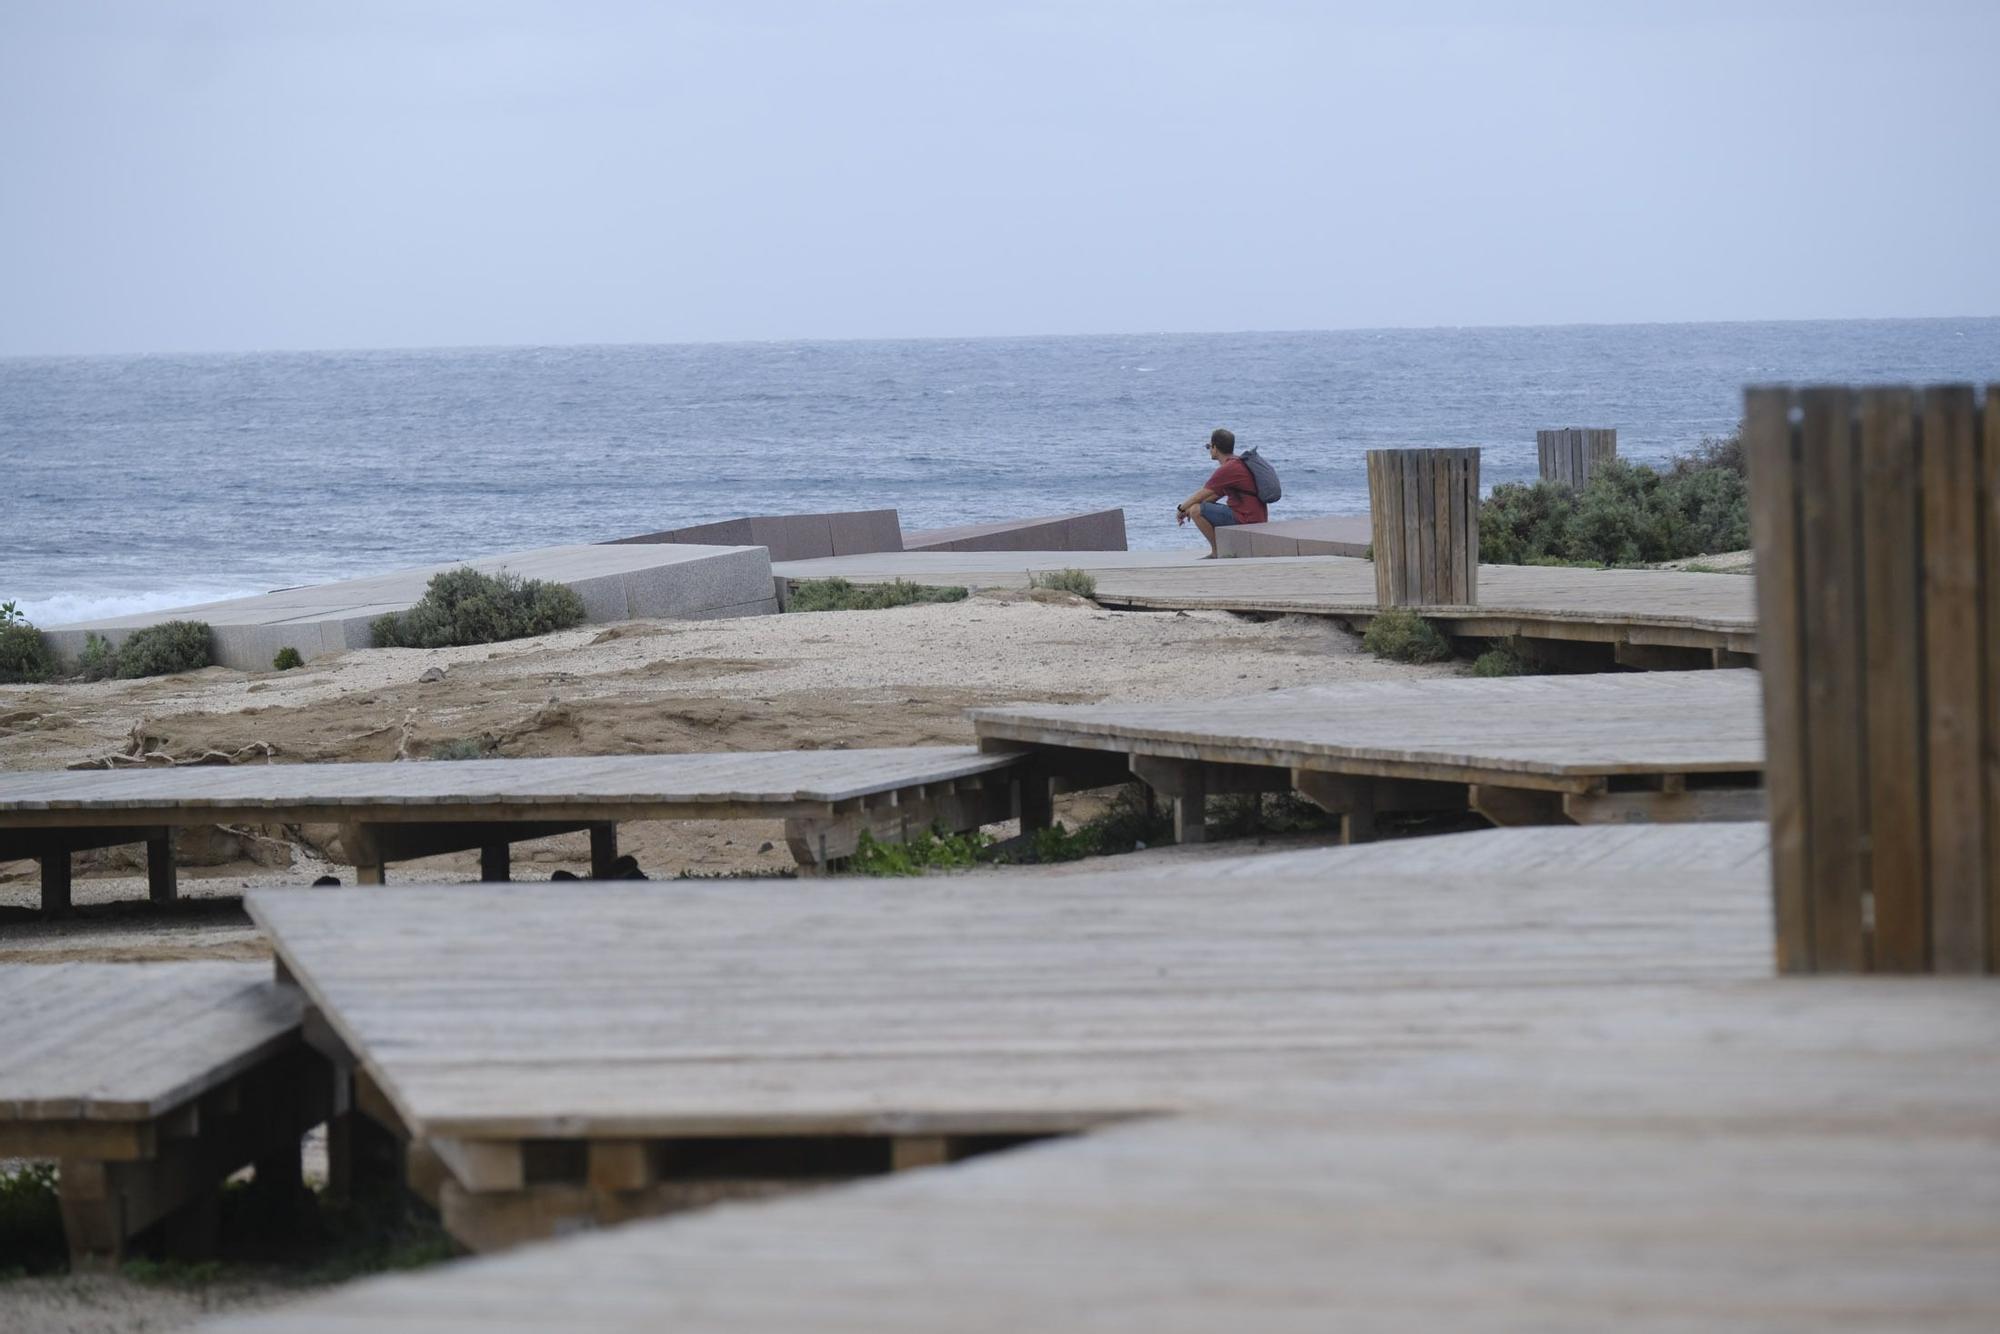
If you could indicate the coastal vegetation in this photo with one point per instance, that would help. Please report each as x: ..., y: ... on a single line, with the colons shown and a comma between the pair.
x: 157, y: 650
x: 24, y: 655
x: 1626, y: 514
x: 1079, y: 582
x: 844, y: 595
x: 1503, y: 660
x: 1403, y: 636
x: 465, y: 606
x: 287, y: 658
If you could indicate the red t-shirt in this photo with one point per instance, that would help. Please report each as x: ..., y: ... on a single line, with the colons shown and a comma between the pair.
x: 1233, y: 482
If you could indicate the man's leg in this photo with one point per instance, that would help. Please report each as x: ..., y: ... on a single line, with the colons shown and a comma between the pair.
x: 1207, y: 531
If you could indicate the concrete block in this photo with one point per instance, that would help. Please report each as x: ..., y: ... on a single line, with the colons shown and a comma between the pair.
x: 860, y: 532
x: 1099, y: 530
x: 1331, y: 535
x: 726, y: 533
x: 793, y: 536
x: 717, y: 577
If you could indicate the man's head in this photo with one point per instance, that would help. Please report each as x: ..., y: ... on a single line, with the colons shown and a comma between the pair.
x: 1221, y: 443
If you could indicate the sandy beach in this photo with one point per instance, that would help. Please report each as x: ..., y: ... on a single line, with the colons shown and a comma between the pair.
x: 899, y: 677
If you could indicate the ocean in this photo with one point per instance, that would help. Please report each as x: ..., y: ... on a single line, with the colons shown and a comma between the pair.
x: 139, y: 482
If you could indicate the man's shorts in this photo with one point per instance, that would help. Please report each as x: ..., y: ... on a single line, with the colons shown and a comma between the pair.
x: 1217, y: 514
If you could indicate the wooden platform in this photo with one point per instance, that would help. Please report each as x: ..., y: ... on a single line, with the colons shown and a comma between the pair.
x: 396, y: 812
x: 151, y: 1083
x: 1642, y: 618
x: 655, y: 1032
x: 1503, y: 1101
x: 1649, y: 746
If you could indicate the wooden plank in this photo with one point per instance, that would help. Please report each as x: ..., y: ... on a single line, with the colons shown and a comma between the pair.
x: 1413, y: 537
x: 1894, y: 633
x: 1990, y: 584
x: 1429, y: 536
x: 1770, y: 448
x: 1954, y: 680
x: 1835, y: 711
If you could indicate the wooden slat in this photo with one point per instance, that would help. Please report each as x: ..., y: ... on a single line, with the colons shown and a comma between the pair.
x: 1990, y: 577
x: 1837, y: 819
x: 1955, y: 685
x: 1894, y: 633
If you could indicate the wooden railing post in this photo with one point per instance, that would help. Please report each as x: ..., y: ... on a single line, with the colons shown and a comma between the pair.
x: 1424, y: 516
x: 1876, y: 520
x: 1570, y: 455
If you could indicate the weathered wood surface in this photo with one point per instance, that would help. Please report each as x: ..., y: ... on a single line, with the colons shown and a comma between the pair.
x: 1784, y: 1155
x: 1666, y: 607
x: 759, y: 782
x: 1569, y: 456
x: 1561, y: 732
x: 955, y: 1005
x: 1423, y: 507
x: 112, y: 1042
x: 1874, y: 514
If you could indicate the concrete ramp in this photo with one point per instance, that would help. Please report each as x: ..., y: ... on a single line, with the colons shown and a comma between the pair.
x: 617, y: 583
x: 792, y: 536
x: 1099, y: 530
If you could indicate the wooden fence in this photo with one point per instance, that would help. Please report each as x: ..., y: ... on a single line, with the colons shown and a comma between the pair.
x: 1876, y: 519
x: 1570, y: 455
x: 1424, y: 517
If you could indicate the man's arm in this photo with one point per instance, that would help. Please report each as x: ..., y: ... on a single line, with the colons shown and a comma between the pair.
x: 1201, y: 494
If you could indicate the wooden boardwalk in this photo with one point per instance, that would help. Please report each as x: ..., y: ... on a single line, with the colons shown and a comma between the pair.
x: 1563, y: 1092
x: 396, y: 812
x: 1520, y: 750
x: 925, y: 1016
x: 1644, y: 617
x: 150, y: 1083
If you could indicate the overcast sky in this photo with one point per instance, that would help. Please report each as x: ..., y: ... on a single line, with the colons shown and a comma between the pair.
x: 186, y: 175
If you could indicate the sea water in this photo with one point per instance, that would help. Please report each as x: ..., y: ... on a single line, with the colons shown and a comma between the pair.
x: 129, y: 483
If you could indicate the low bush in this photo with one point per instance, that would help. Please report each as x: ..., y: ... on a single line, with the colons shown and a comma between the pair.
x: 1626, y: 514
x: 1404, y: 636
x: 98, y: 660
x: 934, y: 849
x: 842, y: 595
x: 164, y: 649
x: 1502, y: 661
x: 1079, y: 582
x: 466, y: 606
x: 287, y: 658
x: 31, y: 1228
x: 24, y: 654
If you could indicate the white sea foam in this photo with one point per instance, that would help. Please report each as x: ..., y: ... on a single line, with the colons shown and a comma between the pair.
x: 67, y: 608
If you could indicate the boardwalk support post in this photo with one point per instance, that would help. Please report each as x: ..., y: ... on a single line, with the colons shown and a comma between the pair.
x: 1423, y: 507
x: 1876, y: 520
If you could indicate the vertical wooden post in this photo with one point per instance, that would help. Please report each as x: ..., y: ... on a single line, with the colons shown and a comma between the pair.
x: 1569, y: 456
x: 162, y: 882
x: 1876, y: 518
x: 603, y: 851
x: 496, y: 862
x: 55, y: 883
x: 1424, y: 516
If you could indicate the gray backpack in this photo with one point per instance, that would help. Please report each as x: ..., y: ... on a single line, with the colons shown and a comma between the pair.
x: 1264, y: 475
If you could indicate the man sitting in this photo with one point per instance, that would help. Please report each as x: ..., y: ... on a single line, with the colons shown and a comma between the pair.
x: 1231, y: 481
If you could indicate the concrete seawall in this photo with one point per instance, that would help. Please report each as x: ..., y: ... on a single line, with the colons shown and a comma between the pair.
x: 617, y: 583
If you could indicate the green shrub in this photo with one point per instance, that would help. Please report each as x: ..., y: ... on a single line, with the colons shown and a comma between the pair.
x: 1502, y: 661
x: 24, y: 654
x: 1074, y: 581
x: 1132, y: 821
x: 288, y: 658
x: 465, y: 748
x: 164, y: 649
x: 98, y: 660
x: 465, y: 606
x: 933, y: 849
x: 31, y: 1228
x: 1625, y: 514
x: 842, y: 595
x: 1403, y: 635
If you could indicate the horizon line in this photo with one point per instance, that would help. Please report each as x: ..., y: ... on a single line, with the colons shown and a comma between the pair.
x: 905, y: 339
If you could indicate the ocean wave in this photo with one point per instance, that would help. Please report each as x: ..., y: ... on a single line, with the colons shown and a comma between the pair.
x: 68, y: 608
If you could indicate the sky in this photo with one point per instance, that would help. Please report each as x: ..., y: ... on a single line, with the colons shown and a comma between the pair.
x: 196, y: 176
